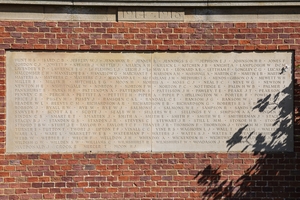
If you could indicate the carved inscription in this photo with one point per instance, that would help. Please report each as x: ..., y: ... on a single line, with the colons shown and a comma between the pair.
x: 146, y: 14
x: 93, y: 102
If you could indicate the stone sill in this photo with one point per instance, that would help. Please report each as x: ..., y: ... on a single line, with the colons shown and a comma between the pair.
x: 163, y: 3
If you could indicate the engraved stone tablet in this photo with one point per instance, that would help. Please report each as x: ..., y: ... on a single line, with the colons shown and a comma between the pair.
x: 201, y: 102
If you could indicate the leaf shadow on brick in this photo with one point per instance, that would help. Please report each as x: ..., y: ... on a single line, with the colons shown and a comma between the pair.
x: 269, y: 177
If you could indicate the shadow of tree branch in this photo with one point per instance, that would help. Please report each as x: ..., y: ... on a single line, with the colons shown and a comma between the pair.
x: 258, y: 180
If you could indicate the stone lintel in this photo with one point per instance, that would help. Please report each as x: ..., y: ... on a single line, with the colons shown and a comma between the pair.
x: 158, y: 3
x: 158, y: 14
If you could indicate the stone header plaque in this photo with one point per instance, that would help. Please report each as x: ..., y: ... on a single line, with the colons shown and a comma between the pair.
x: 99, y: 102
x: 153, y: 14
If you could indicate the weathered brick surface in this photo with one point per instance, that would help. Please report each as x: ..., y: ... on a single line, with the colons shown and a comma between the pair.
x: 149, y: 175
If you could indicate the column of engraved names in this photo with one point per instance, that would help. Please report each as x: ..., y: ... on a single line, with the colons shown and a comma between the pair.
x: 275, y: 81
x: 27, y: 98
x: 57, y: 115
x: 94, y: 128
x: 181, y: 95
x: 215, y: 74
x: 239, y: 84
x: 127, y: 101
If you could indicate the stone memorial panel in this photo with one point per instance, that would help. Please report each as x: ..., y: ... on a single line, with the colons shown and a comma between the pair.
x: 96, y: 102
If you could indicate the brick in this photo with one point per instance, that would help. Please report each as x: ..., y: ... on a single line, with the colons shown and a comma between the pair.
x: 9, y: 29
x: 44, y: 29
x: 106, y: 24
x: 89, y: 42
x: 222, y: 30
x: 128, y: 36
x: 112, y: 41
x: 167, y: 42
x: 161, y: 36
x: 105, y: 36
x: 139, y: 36
x: 206, y: 36
x: 150, y: 36
x: 167, y: 30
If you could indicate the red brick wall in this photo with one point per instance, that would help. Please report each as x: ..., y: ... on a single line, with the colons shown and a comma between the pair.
x: 149, y: 175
